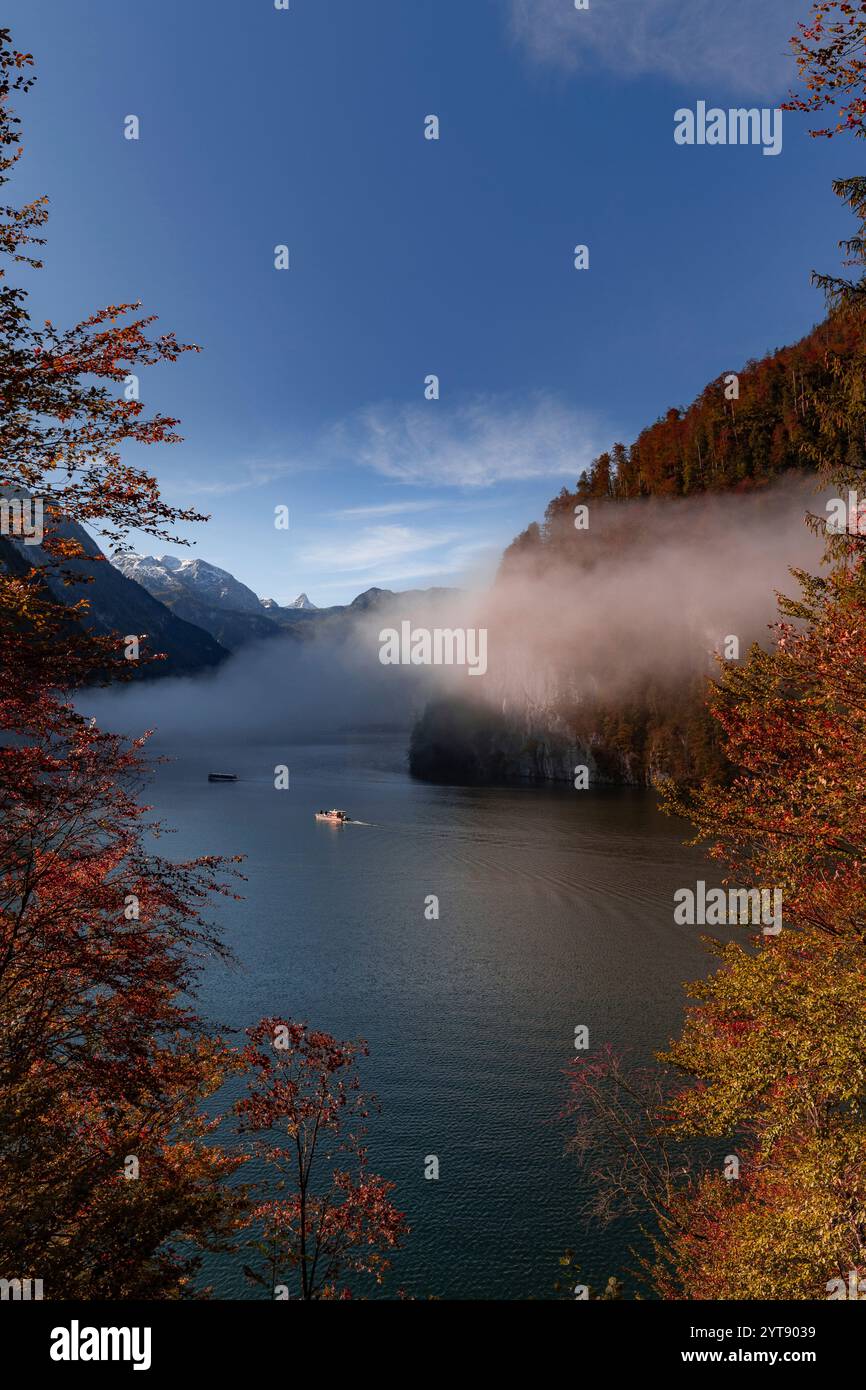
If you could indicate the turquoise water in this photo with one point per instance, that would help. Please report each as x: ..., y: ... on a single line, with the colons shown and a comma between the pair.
x: 556, y: 909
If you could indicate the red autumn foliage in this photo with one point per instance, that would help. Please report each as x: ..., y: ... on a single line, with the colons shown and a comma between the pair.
x: 307, y: 1110
x: 106, y: 1159
x: 830, y: 56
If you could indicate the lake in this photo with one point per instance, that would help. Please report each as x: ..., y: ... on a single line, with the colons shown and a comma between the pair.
x: 556, y: 909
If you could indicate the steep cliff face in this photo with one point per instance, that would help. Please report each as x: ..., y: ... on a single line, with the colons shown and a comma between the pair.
x: 660, y: 731
x: 463, y: 742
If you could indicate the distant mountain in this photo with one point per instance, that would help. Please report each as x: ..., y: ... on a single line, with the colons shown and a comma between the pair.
x: 336, y: 622
x: 371, y: 598
x: 118, y: 603
x: 212, y: 599
x: 193, y: 611
x: 389, y: 598
x: 204, y: 594
x: 206, y: 582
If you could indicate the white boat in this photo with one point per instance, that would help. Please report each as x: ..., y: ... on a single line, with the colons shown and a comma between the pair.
x: 333, y: 817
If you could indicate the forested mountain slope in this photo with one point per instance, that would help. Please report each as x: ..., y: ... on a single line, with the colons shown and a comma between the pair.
x: 749, y: 435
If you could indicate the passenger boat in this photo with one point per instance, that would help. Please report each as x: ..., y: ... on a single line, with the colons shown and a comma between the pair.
x: 222, y: 777
x: 333, y: 817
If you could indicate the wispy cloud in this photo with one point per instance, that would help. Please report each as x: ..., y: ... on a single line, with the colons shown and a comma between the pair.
x: 248, y: 474
x: 741, y: 43
x: 391, y: 556
x: 383, y: 509
x: 473, y: 445
x: 477, y: 444
x: 456, y: 570
x: 377, y: 547
x: 214, y: 488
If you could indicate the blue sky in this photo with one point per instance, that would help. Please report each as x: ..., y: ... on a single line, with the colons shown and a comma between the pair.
x: 410, y: 257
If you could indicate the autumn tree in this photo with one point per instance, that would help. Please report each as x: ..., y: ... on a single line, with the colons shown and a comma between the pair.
x: 771, y: 1062
x: 831, y: 57
x: 777, y: 1044
x: 107, y: 1163
x: 103, y: 1064
x: 830, y: 49
x: 332, y: 1222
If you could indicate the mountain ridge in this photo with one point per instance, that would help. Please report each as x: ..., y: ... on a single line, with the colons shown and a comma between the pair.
x: 118, y: 604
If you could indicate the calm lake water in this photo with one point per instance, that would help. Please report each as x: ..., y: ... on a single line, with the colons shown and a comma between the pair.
x: 556, y: 909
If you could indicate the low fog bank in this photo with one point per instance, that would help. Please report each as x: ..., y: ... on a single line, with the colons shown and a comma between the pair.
x: 649, y: 591
x: 283, y: 689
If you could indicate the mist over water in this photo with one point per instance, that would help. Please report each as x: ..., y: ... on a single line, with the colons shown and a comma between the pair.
x: 650, y: 590
x: 274, y: 689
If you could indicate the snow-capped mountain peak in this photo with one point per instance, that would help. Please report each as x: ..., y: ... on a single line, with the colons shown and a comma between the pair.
x: 168, y: 574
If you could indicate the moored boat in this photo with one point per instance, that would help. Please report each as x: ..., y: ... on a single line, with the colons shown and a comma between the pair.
x: 222, y: 777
